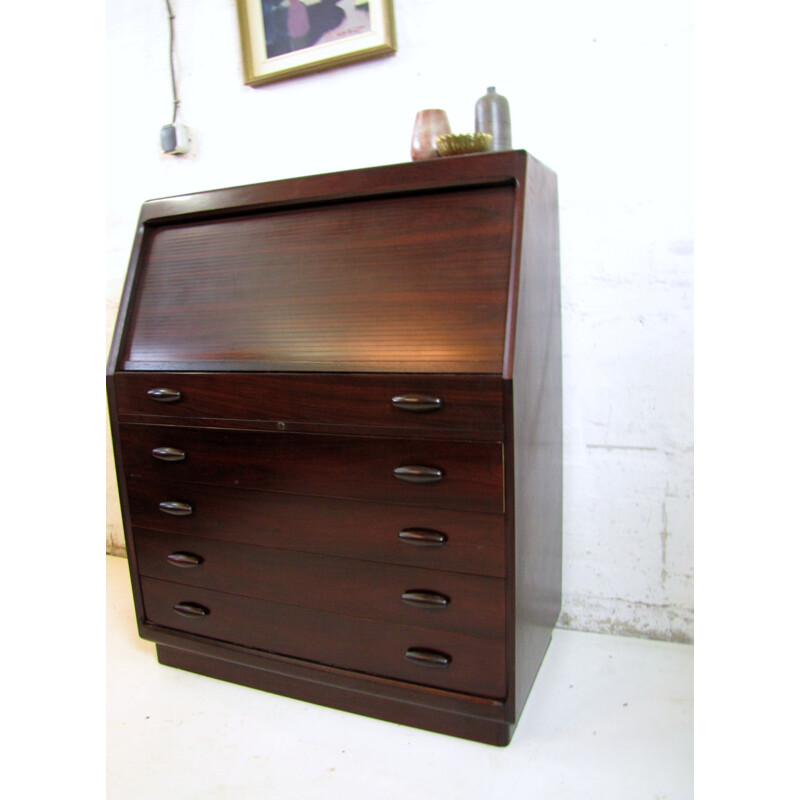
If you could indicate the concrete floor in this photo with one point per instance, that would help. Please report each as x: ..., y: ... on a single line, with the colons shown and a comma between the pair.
x: 609, y: 718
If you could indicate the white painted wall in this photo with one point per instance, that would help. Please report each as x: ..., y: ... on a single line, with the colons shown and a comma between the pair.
x: 601, y: 93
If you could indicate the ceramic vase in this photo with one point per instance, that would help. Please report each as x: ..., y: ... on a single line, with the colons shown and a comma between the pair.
x: 492, y: 115
x: 429, y: 124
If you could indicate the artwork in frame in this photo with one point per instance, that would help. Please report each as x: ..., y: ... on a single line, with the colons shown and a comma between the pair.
x: 284, y: 38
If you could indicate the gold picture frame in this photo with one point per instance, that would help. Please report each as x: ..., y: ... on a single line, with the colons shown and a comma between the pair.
x: 284, y: 38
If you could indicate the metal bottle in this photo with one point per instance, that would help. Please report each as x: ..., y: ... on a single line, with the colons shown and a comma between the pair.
x: 492, y: 115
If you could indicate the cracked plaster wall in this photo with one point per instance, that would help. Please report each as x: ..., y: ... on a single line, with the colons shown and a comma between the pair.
x: 601, y: 92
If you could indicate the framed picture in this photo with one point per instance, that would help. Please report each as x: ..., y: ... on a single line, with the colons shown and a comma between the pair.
x: 284, y: 38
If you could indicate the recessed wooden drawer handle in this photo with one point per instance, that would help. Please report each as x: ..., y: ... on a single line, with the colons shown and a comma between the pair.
x: 184, y: 560
x: 164, y: 395
x: 175, y: 508
x: 425, y: 599
x: 428, y: 658
x: 168, y: 454
x: 190, y: 610
x: 422, y: 537
x: 417, y: 402
x: 416, y: 474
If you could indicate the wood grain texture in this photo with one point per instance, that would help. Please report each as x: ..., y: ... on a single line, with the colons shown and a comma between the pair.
x: 536, y: 397
x: 354, y: 529
x: 328, y: 583
x: 356, y: 643
x: 358, y: 468
x: 394, y: 180
x: 471, y: 406
x: 416, y: 283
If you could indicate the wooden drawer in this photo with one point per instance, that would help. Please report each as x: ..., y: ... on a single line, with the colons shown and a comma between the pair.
x: 476, y: 665
x: 418, y: 403
x: 406, y: 595
x: 435, y: 538
x: 463, y: 475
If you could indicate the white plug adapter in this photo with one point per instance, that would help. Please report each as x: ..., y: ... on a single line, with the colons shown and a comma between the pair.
x: 175, y: 139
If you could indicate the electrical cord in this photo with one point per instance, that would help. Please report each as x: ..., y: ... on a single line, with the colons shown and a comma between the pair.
x: 176, y: 102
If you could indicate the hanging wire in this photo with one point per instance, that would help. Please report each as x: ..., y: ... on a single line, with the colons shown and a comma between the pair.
x: 176, y: 102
